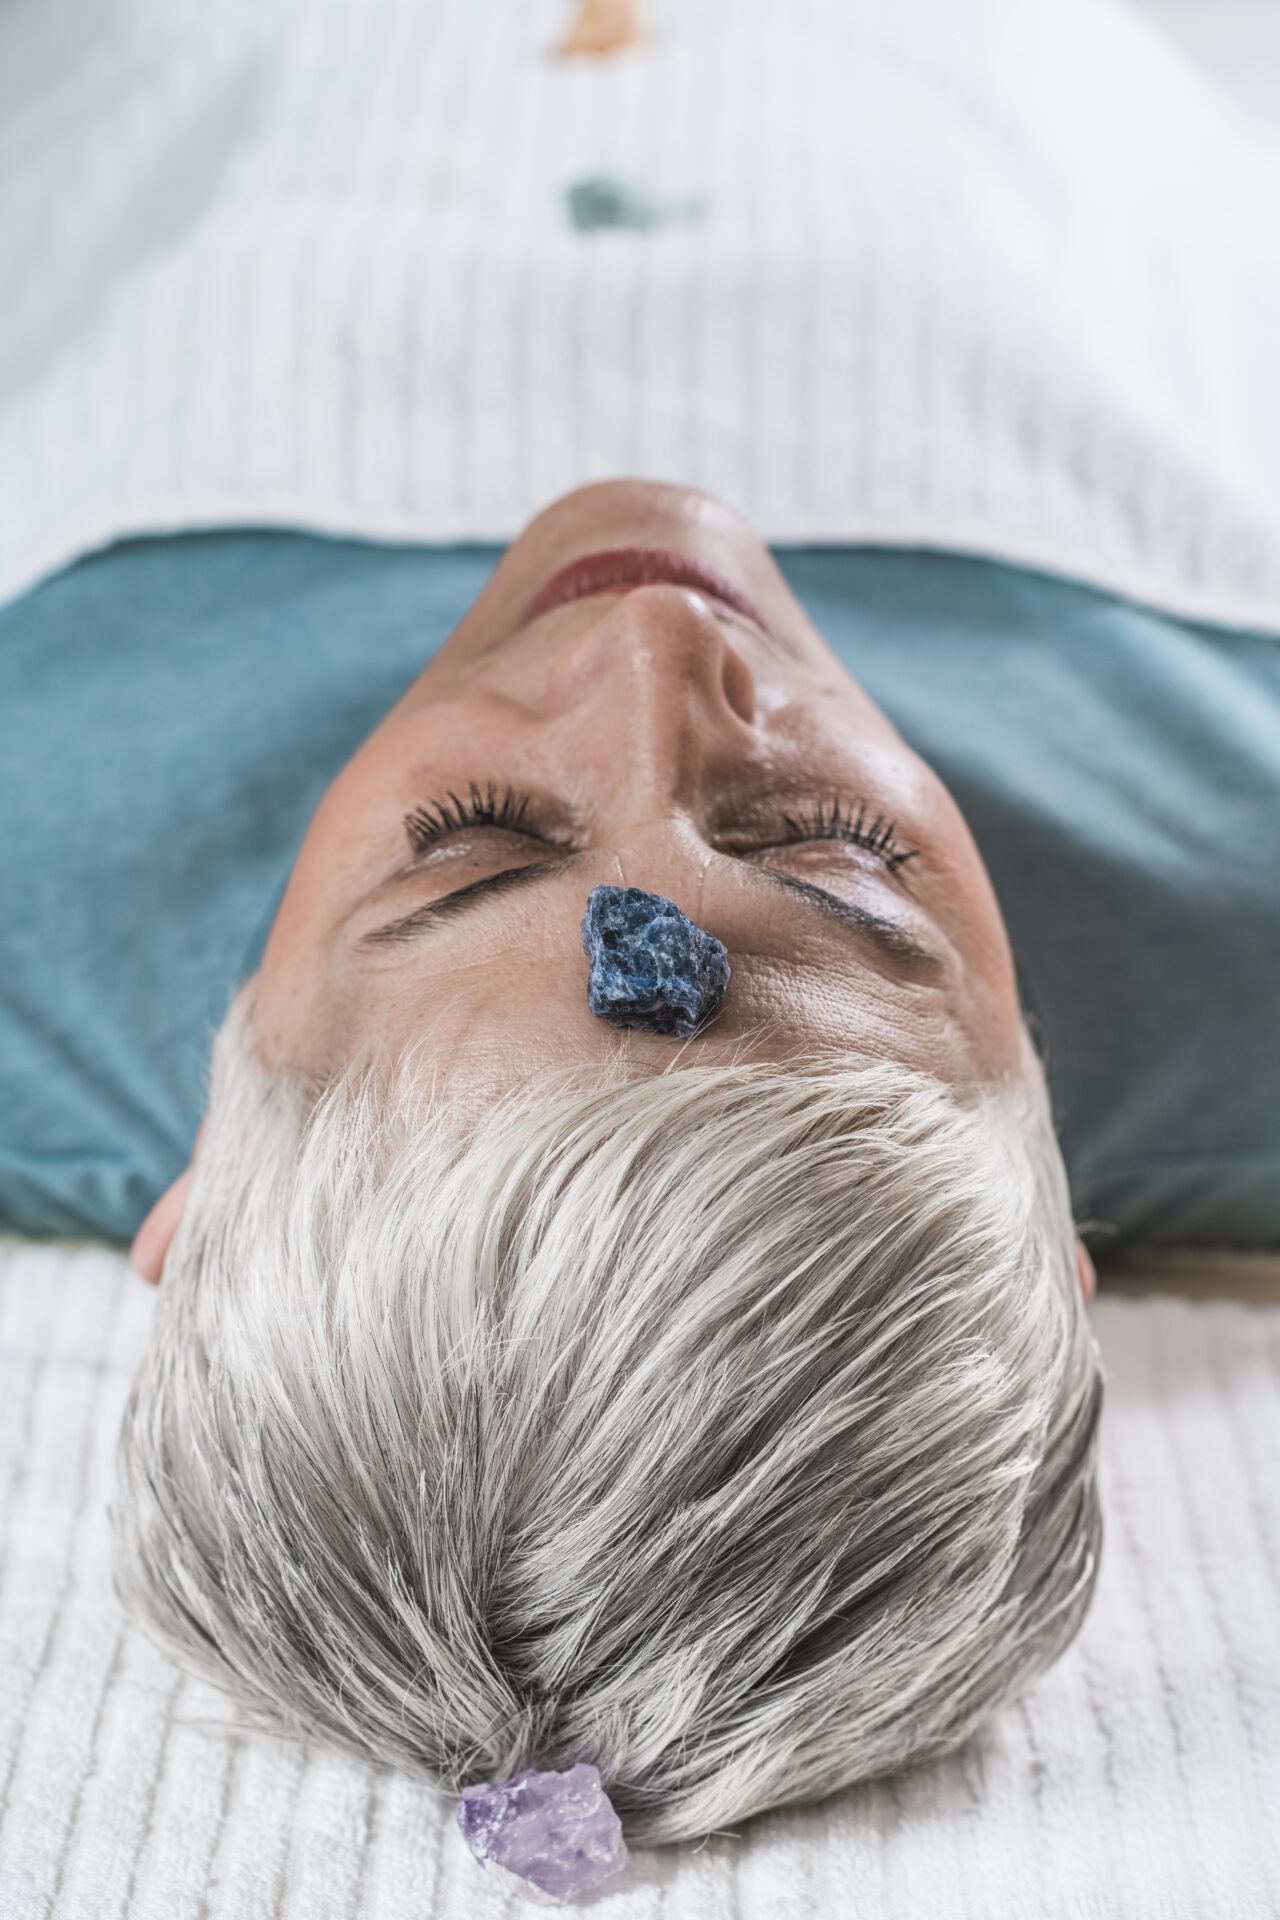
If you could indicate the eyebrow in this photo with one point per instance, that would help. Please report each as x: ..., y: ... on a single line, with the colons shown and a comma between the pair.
x: 432, y: 913
x: 895, y: 943
x: 892, y: 938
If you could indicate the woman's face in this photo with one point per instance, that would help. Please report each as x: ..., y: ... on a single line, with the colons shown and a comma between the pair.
x: 665, y: 717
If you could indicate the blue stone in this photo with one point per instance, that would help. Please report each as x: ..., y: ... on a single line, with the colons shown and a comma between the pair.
x: 651, y: 967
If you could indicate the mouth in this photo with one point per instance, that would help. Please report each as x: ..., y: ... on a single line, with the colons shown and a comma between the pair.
x: 622, y: 568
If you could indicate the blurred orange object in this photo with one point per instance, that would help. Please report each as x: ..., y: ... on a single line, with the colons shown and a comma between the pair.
x: 602, y: 26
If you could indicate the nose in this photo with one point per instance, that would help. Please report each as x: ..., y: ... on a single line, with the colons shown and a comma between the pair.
x: 659, y: 682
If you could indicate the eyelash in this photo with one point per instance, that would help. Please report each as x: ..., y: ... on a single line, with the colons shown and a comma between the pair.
x: 510, y: 812
x: 484, y: 807
x: 838, y: 821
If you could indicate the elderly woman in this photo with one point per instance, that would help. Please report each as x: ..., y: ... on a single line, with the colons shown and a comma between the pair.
x: 538, y: 1378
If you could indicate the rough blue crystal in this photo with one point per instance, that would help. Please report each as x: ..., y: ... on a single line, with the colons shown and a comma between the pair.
x: 557, y: 1830
x: 651, y: 966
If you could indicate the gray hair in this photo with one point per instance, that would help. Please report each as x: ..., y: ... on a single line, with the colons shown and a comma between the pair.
x: 733, y: 1428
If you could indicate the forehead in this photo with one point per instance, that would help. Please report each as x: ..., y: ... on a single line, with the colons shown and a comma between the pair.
x: 513, y: 1003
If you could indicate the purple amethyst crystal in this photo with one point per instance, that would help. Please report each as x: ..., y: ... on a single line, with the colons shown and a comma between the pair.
x: 557, y: 1830
x: 651, y: 966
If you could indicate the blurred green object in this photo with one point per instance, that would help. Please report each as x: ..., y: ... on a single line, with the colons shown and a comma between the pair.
x: 602, y: 201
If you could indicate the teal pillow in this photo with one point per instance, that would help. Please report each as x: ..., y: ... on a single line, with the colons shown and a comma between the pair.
x: 173, y: 710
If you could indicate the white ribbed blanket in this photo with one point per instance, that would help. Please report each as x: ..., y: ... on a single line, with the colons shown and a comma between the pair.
x: 1000, y: 277
x: 1138, y: 1781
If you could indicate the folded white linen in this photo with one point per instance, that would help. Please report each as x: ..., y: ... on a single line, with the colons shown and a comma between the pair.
x: 1000, y: 278
x: 1138, y: 1778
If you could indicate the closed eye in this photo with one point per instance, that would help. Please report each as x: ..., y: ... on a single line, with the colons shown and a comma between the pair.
x: 895, y: 943
x: 504, y: 810
x: 508, y: 810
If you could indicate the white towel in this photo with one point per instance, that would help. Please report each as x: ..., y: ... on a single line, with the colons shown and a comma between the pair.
x: 1000, y: 278
x: 1138, y: 1780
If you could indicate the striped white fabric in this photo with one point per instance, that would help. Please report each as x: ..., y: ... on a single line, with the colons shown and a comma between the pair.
x: 1001, y: 278
x: 1139, y: 1779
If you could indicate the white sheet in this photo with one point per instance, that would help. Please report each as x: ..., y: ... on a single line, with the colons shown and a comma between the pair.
x: 1138, y: 1781
x: 1001, y: 277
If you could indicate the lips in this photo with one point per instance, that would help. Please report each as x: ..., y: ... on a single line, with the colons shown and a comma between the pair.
x: 622, y: 568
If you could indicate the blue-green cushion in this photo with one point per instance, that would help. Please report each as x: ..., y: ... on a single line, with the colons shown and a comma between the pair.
x: 171, y: 711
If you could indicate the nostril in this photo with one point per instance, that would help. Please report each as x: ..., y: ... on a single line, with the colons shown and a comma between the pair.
x: 676, y: 637
x: 739, y: 685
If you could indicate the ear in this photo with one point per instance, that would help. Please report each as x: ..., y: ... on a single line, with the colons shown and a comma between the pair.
x: 152, y: 1240
x: 1087, y: 1271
